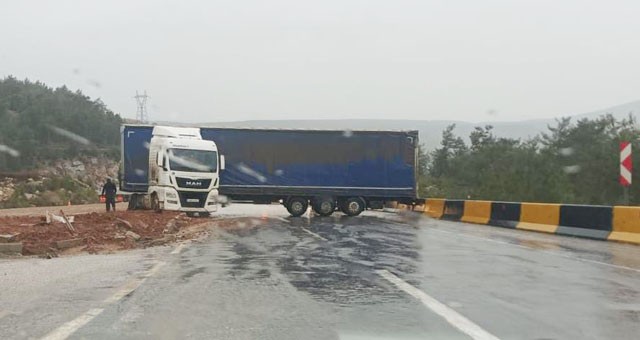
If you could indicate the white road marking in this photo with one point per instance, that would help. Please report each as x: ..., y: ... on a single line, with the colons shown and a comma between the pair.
x: 313, y: 234
x: 300, y: 272
x: 178, y: 248
x: 132, y: 285
x: 154, y: 269
x: 454, y: 318
x: 72, y: 326
x: 125, y: 290
x: 540, y: 250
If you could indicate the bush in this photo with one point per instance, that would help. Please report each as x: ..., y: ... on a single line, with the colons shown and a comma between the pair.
x: 50, y: 191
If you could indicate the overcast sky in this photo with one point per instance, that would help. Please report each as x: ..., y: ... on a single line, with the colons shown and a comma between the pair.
x: 205, y: 61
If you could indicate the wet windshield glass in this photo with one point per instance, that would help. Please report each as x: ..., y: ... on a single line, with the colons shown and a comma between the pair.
x: 193, y: 160
x: 320, y: 170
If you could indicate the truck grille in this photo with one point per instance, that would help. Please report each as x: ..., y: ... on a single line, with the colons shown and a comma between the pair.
x: 193, y: 183
x: 190, y: 199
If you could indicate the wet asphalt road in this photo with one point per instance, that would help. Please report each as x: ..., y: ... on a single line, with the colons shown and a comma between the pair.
x: 267, y: 276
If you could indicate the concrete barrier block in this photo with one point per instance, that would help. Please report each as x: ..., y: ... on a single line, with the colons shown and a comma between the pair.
x: 14, y: 248
x: 541, y: 217
x: 590, y: 221
x: 626, y: 224
x: 66, y: 244
x: 583, y: 232
x: 434, y: 207
x: 505, y: 214
x: 476, y: 212
x: 453, y: 210
x: 624, y: 237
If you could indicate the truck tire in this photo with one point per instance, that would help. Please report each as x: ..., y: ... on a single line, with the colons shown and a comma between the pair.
x: 137, y: 202
x: 353, y: 206
x: 296, y: 206
x: 323, y: 206
x: 155, y: 203
x: 133, y: 202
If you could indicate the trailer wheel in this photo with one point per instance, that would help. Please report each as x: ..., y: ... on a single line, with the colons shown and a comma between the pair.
x: 324, y: 206
x: 352, y: 206
x: 296, y: 206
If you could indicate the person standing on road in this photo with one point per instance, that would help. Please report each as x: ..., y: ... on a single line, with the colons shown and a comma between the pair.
x: 109, y: 191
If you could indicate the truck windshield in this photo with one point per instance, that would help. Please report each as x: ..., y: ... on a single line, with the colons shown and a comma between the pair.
x: 193, y: 160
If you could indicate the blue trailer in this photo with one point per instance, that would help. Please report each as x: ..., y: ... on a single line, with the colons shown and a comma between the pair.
x: 345, y: 170
x: 330, y: 170
x: 134, y: 158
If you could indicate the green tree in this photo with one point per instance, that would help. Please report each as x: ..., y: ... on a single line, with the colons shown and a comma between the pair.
x: 33, y: 116
x: 571, y: 163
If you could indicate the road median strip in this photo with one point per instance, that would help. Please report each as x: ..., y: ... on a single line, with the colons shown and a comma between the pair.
x: 613, y: 223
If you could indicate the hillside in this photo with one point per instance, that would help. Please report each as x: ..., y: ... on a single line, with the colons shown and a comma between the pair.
x: 40, y: 123
x: 56, y: 146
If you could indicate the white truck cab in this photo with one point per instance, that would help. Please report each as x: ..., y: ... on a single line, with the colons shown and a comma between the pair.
x: 184, y: 171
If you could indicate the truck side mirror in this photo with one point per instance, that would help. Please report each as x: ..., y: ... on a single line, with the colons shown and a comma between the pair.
x: 222, y: 163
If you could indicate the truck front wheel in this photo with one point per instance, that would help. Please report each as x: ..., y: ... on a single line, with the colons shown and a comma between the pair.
x: 352, y: 206
x: 296, y: 206
x: 155, y: 203
x: 324, y: 206
x: 136, y: 202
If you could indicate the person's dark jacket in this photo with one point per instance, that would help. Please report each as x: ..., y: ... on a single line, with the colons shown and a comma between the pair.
x: 109, y: 190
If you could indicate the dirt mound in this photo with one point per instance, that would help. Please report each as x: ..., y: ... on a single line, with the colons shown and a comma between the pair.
x: 98, y: 232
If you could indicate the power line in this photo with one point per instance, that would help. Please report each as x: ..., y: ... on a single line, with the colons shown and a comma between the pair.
x: 142, y: 115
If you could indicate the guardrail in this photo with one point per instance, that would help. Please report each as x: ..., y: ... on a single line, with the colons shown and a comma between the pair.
x: 613, y: 223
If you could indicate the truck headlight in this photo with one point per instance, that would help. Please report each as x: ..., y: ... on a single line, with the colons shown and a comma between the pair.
x: 171, y: 194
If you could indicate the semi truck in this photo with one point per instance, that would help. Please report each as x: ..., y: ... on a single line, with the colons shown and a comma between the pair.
x: 327, y: 170
x: 170, y: 168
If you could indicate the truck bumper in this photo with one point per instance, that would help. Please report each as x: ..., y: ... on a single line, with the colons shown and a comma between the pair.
x: 168, y: 205
x: 171, y: 199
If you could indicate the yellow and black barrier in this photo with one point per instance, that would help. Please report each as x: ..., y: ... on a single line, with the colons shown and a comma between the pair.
x: 614, y: 223
x: 626, y: 224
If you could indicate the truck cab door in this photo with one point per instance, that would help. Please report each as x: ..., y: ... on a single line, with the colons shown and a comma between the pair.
x: 165, y: 175
x: 160, y: 172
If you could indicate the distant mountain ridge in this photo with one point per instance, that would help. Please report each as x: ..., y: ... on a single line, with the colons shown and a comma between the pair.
x: 430, y: 130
